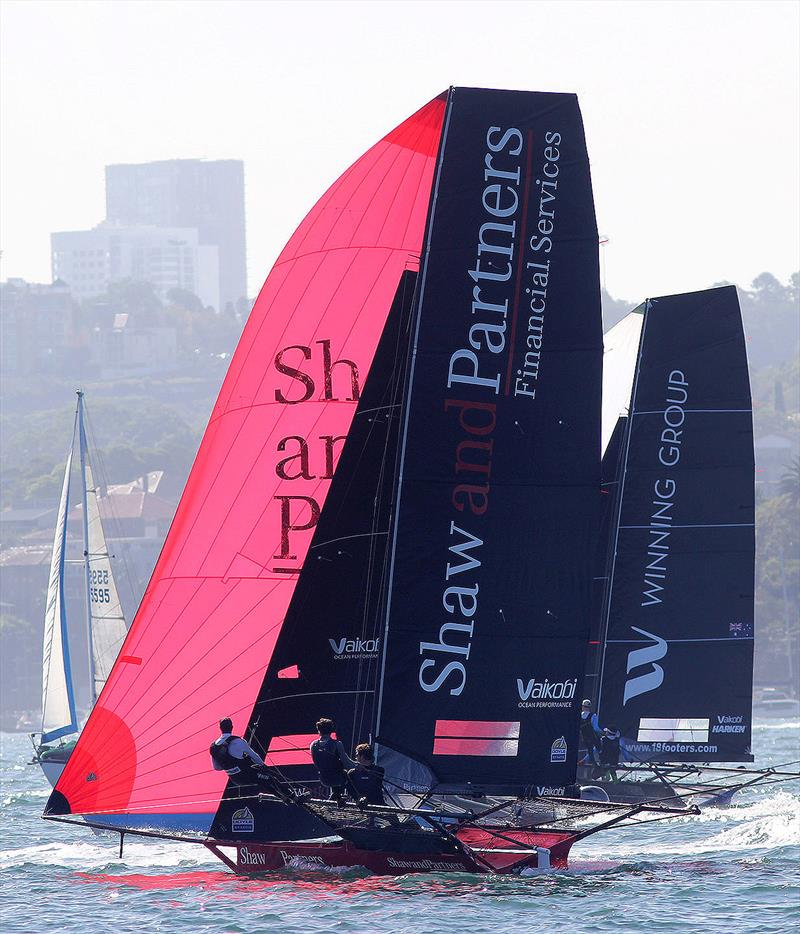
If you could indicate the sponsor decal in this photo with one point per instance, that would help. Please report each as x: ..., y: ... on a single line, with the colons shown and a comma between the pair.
x: 671, y: 747
x: 729, y: 724
x: 558, y: 751
x: 637, y: 658
x: 345, y: 649
x: 656, y: 570
x: 511, y: 258
x: 558, y: 790
x: 242, y: 821
x: 306, y: 373
x: 546, y: 693
x: 430, y: 864
x: 251, y: 858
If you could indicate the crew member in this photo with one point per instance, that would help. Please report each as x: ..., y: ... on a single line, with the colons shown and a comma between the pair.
x: 331, y: 760
x: 590, y: 734
x: 366, y: 779
x: 609, y: 751
x: 231, y: 754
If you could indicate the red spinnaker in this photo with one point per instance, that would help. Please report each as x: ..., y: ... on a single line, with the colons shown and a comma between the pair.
x: 207, y: 625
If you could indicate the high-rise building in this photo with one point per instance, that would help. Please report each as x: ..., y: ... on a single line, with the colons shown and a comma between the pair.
x: 167, y: 257
x: 205, y: 195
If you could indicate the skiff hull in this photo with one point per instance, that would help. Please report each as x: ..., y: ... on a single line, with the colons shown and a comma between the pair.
x: 256, y: 858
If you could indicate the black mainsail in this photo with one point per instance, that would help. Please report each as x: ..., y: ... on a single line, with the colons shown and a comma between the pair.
x: 677, y: 666
x: 493, y: 539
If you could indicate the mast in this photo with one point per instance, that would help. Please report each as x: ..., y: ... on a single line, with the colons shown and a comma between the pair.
x: 86, y: 555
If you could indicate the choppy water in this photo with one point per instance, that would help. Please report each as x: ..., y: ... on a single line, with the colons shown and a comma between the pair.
x: 731, y: 871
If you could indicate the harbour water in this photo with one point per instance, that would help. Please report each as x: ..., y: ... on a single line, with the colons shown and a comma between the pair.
x: 728, y: 871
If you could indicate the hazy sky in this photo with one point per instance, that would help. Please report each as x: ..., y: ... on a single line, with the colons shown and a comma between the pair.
x: 691, y: 113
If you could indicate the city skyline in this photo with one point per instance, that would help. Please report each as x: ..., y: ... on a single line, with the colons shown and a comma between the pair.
x: 691, y: 117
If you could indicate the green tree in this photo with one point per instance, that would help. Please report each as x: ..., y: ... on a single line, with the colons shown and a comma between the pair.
x: 789, y: 484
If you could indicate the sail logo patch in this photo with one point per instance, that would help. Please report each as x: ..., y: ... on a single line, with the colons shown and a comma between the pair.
x: 558, y: 751
x: 242, y: 821
x: 729, y: 724
x: 637, y: 658
x: 546, y: 693
x: 344, y: 648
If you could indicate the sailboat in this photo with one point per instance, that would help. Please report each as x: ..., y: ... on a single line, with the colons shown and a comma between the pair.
x: 105, y: 621
x: 391, y: 521
x: 671, y: 661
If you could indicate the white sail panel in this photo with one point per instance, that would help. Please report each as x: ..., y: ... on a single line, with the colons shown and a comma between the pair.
x: 108, y: 629
x: 58, y: 702
x: 620, y: 349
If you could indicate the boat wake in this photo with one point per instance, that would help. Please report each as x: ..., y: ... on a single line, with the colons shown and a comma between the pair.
x: 103, y: 857
x: 768, y: 822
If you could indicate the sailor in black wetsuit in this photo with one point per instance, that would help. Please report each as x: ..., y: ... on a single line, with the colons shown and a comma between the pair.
x: 610, y: 751
x: 331, y: 760
x: 366, y: 779
x: 233, y: 755
x: 590, y: 735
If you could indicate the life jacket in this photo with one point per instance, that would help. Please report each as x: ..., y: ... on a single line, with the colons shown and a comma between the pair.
x: 221, y: 754
x: 325, y: 755
x: 609, y: 750
x: 588, y: 734
x: 367, y: 783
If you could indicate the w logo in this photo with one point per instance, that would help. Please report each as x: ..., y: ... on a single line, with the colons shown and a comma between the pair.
x: 649, y: 655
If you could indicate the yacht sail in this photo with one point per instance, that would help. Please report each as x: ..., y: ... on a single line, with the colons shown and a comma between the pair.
x: 106, y: 622
x: 58, y: 699
x: 677, y: 661
x: 208, y: 625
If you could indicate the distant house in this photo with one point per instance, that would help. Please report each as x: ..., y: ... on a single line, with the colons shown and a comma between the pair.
x: 123, y: 349
x: 17, y: 523
x: 129, y: 511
